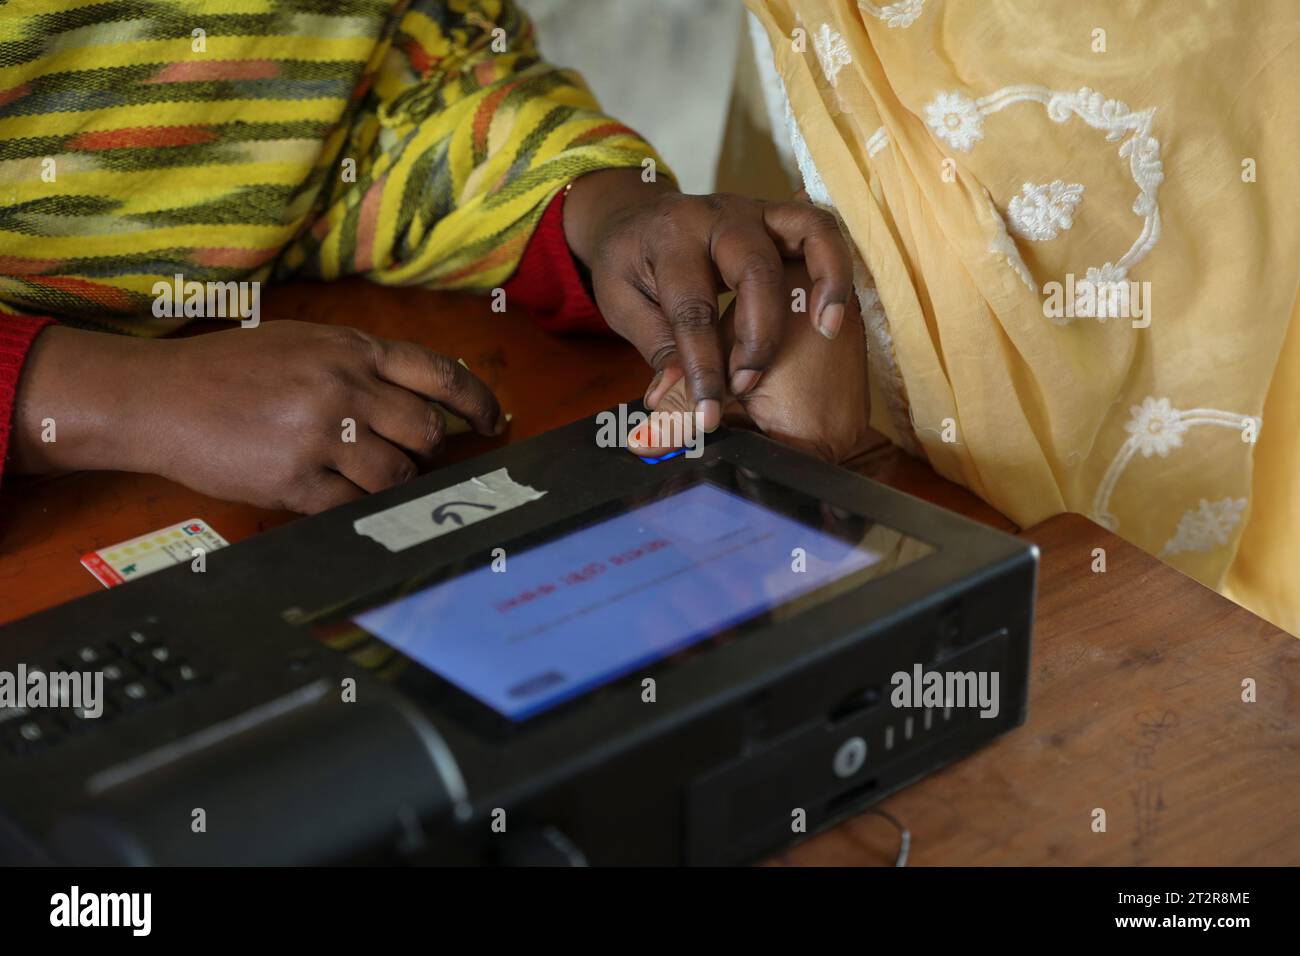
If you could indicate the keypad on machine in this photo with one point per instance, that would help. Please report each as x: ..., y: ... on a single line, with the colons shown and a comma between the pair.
x: 140, y: 669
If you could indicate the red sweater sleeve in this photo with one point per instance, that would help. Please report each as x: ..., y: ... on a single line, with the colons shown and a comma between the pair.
x: 17, y: 332
x: 547, y: 283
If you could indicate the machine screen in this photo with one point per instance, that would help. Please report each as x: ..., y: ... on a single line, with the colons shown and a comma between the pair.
x: 582, y: 609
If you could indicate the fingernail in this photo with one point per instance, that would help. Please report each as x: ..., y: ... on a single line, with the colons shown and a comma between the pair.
x: 502, y: 421
x: 830, y: 320
x: 638, y: 438
x: 744, y: 380
x: 710, y: 414
x: 654, y: 383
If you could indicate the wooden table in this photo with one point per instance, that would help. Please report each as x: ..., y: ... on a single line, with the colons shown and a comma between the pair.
x: 1136, y: 693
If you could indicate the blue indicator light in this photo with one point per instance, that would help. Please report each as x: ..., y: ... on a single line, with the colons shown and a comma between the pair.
x: 655, y: 461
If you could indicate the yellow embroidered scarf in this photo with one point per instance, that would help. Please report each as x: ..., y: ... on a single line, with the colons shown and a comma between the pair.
x: 1081, y: 223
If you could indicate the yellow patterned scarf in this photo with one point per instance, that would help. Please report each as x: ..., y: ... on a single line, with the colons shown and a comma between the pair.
x: 413, y: 142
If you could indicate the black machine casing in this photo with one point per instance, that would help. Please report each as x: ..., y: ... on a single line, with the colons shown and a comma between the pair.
x: 262, y: 762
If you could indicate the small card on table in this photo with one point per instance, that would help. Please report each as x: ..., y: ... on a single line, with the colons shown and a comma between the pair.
x: 151, y: 552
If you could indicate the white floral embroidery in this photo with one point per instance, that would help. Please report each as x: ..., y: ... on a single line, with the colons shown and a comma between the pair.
x: 877, y: 141
x: 1103, y: 294
x: 956, y: 120
x: 812, y: 179
x: 832, y: 52
x: 1042, y: 212
x: 1003, y: 245
x: 900, y: 14
x: 882, y: 364
x: 1112, y: 117
x: 1209, y: 527
x: 1156, y: 427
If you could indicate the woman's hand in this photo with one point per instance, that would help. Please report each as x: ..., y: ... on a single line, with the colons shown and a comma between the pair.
x: 813, y: 396
x: 659, y: 259
x: 287, y: 415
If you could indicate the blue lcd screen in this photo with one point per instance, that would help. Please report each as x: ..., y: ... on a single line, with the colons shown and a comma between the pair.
x: 580, y: 610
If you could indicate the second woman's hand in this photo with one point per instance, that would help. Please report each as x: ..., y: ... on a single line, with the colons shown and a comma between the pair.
x: 814, y: 395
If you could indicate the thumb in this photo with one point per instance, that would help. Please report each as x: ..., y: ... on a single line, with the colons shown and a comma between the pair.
x: 672, y: 425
